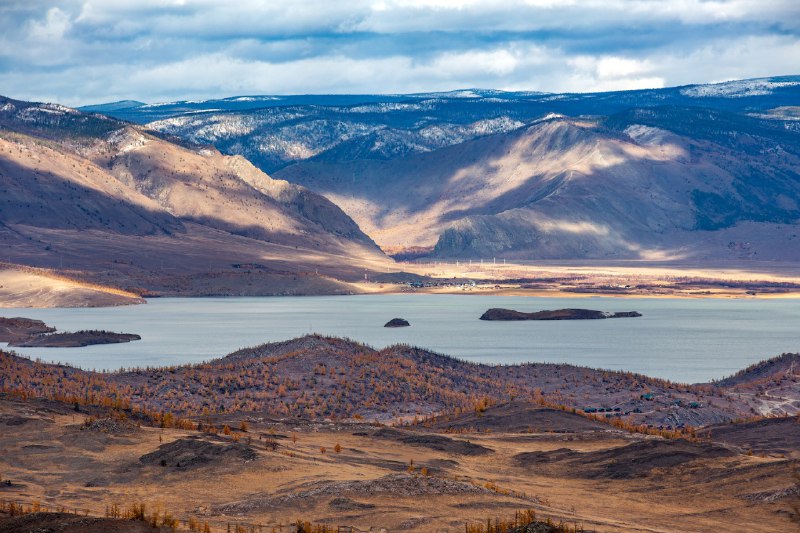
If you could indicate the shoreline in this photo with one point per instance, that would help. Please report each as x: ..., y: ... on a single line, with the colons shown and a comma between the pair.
x: 559, y: 293
x: 36, y: 288
x: 371, y: 290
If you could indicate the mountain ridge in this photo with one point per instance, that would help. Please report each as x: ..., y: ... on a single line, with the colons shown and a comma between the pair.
x: 744, y: 88
x: 273, y: 131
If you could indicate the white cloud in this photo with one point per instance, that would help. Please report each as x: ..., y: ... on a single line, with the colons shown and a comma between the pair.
x: 733, y: 58
x: 52, y: 28
x: 84, y: 51
x: 620, y: 67
x: 611, y: 73
x: 473, y: 63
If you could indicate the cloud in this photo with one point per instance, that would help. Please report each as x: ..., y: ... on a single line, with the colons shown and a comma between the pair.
x: 52, y: 28
x: 86, y: 51
x: 612, y: 73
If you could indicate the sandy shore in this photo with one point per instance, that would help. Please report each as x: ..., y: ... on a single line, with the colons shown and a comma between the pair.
x: 374, y: 288
x: 33, y: 287
x: 29, y: 287
x: 622, y: 279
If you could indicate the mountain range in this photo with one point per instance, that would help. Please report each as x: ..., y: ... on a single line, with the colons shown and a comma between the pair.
x: 305, y: 194
x: 700, y: 172
x: 120, y: 205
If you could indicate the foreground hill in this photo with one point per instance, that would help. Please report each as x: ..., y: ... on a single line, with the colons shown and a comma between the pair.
x: 513, y: 463
x: 292, y: 431
x: 318, y: 377
x: 105, y: 201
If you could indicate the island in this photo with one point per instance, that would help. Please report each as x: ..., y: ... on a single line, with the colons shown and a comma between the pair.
x: 558, y: 314
x: 74, y: 339
x: 397, y: 323
x: 28, y: 333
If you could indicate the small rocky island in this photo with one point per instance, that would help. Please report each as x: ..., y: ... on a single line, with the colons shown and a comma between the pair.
x: 558, y: 314
x: 28, y: 333
x: 397, y: 323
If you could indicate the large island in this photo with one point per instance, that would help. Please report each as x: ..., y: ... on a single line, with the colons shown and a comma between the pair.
x: 74, y: 339
x: 497, y: 313
x: 29, y: 333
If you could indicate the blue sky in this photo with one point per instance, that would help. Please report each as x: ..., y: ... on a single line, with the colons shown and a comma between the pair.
x: 88, y: 51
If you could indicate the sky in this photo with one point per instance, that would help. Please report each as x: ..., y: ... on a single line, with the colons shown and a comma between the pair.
x: 78, y: 52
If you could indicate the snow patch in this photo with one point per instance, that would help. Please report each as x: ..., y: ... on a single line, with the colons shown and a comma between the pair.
x: 448, y: 134
x: 126, y: 139
x: 159, y: 104
x: 549, y: 116
x: 34, y: 113
x: 736, y: 89
x: 385, y: 107
x: 60, y: 108
x: 200, y: 111
x: 252, y: 99
x: 646, y: 134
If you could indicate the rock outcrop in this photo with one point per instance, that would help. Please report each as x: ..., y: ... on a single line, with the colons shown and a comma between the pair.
x: 17, y: 329
x: 397, y: 323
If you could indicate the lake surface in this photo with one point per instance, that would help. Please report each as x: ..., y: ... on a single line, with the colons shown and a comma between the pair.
x: 678, y: 339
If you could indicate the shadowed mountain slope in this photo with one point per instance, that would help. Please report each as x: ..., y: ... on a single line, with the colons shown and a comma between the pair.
x: 85, y: 191
x: 580, y: 188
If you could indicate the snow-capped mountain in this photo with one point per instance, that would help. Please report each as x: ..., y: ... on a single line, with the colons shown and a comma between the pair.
x: 276, y: 131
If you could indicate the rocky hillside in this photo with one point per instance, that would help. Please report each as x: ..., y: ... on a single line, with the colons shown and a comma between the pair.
x: 108, y: 201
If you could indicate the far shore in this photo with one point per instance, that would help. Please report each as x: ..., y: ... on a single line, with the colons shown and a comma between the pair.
x: 26, y: 287
x: 370, y: 288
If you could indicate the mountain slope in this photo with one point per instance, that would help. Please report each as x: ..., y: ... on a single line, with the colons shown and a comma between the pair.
x: 226, y: 193
x: 277, y: 136
x: 51, y: 187
x: 112, y: 203
x: 575, y: 188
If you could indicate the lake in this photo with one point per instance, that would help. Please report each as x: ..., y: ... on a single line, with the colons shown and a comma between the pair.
x: 688, y: 340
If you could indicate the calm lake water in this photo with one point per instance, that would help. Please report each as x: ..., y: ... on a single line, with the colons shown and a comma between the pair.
x: 678, y: 339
